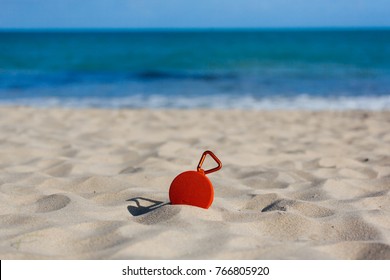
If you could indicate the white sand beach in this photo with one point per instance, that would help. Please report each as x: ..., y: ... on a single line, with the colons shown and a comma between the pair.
x: 93, y: 184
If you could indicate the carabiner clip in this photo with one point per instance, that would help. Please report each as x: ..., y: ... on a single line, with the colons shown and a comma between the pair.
x: 199, y: 168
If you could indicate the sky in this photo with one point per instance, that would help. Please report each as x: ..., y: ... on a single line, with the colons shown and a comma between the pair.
x: 193, y: 13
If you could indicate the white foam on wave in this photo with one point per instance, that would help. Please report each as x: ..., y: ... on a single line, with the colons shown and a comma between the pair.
x: 303, y: 101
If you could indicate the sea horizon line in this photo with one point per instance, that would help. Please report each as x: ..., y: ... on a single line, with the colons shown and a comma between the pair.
x: 189, y: 29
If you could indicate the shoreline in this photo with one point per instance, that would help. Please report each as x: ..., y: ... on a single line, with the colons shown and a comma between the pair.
x: 194, y: 109
x: 303, y: 102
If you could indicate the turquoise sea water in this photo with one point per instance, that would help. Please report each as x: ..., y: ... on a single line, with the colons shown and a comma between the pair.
x: 312, y: 69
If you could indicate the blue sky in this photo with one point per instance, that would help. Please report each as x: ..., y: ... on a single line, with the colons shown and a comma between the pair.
x: 193, y: 13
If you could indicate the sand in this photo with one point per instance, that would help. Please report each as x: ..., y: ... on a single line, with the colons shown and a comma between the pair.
x: 93, y: 184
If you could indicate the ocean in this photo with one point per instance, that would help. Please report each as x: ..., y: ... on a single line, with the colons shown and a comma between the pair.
x: 243, y: 69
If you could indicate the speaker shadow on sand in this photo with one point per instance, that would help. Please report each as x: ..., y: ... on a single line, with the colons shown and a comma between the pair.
x: 144, y: 205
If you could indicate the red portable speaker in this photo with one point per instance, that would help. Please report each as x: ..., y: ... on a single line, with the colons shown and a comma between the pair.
x: 193, y: 187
